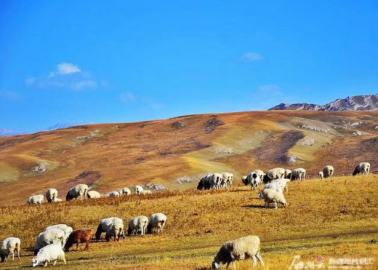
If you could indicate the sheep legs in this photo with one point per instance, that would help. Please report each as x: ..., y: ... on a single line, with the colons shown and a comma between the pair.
x: 228, y: 264
x: 258, y: 256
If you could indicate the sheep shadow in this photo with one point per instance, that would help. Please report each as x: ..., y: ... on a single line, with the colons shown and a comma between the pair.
x: 254, y: 206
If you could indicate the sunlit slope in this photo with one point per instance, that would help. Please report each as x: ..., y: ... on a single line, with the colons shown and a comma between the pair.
x: 110, y: 156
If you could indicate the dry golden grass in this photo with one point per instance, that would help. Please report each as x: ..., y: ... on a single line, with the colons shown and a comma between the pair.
x: 335, y: 217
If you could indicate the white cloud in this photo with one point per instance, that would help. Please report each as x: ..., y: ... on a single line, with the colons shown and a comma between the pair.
x: 66, y: 76
x: 127, y: 97
x: 251, y: 57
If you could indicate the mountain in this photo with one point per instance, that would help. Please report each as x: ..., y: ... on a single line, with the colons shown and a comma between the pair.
x: 354, y: 103
x: 61, y: 125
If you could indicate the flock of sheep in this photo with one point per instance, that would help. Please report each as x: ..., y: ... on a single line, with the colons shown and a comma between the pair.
x: 51, y: 244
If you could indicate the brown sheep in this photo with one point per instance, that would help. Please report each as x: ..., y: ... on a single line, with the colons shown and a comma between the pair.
x: 79, y: 236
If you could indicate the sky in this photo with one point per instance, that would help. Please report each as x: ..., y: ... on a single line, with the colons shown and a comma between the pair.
x: 76, y: 62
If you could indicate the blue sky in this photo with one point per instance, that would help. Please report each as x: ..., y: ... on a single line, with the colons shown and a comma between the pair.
x: 121, y: 61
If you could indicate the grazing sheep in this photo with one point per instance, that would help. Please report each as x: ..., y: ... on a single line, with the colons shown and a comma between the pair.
x: 138, y: 190
x: 299, y: 173
x: 36, y: 199
x: 254, y: 179
x: 275, y: 173
x: 215, y: 180
x: 79, y: 236
x: 112, y: 194
x: 52, y: 236
x: 145, y: 192
x: 157, y: 223
x: 80, y: 190
x: 227, y: 179
x: 92, y: 194
x: 138, y: 224
x: 328, y: 171
x: 51, y: 195
x: 274, y: 186
x: 113, y: 227
x: 321, y: 175
x: 273, y: 196
x: 8, y: 247
x: 124, y: 191
x: 288, y: 174
x: 282, y: 182
x: 238, y: 250
x: 362, y: 168
x: 205, y: 183
x: 53, y: 252
x: 63, y: 227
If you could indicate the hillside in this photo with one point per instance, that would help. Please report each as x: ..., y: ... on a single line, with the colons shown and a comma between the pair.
x: 354, y: 103
x: 176, y: 152
x: 329, y: 218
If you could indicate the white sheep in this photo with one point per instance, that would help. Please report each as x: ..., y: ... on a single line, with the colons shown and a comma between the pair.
x: 321, y: 175
x: 146, y: 192
x: 113, y: 227
x: 254, y: 179
x: 282, y: 182
x: 275, y: 186
x: 51, y: 195
x: 138, y: 224
x: 216, y: 180
x: 275, y: 173
x: 8, y: 247
x: 112, y: 194
x: 157, y: 223
x: 138, y: 190
x: 298, y: 173
x: 80, y: 190
x: 52, y: 252
x: 92, y: 194
x: 45, y: 238
x: 362, y: 168
x: 36, y: 199
x: 243, y: 248
x: 272, y: 196
x: 56, y: 200
x: 63, y: 227
x: 227, y: 179
x: 328, y: 171
x: 124, y: 191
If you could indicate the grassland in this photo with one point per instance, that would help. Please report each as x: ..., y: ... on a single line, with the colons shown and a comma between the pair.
x: 336, y: 217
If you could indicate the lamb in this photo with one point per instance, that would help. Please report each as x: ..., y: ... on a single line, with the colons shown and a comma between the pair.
x: 157, y: 223
x: 79, y: 236
x: 112, y: 194
x: 36, y: 199
x: 299, y: 173
x: 272, y: 196
x: 124, y: 191
x: 321, y: 175
x: 8, y: 247
x: 138, y: 190
x: 63, y: 227
x: 238, y: 250
x: 92, y: 194
x: 138, y: 224
x: 53, y: 252
x: 275, y: 173
x: 51, y: 195
x: 362, y: 168
x: 227, y: 178
x: 328, y: 171
x: 80, y: 190
x: 51, y: 236
x: 113, y: 227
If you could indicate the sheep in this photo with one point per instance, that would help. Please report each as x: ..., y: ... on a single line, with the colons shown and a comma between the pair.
x: 227, y: 178
x: 124, y: 191
x: 216, y: 180
x: 138, y: 190
x: 274, y: 174
x: 63, y: 227
x: 36, y: 199
x: 245, y: 180
x: 328, y: 171
x: 362, y: 168
x: 238, y: 250
x: 299, y: 173
x: 8, y: 247
x: 138, y: 224
x: 157, y: 223
x: 273, y: 196
x: 145, y: 192
x: 112, y: 194
x: 79, y: 236
x: 53, y: 252
x: 80, y: 190
x: 254, y: 179
x: 51, y: 195
x: 274, y: 186
x: 45, y: 238
x: 92, y: 194
x: 113, y: 227
x: 56, y: 200
x: 321, y: 175
x: 288, y: 174
x: 205, y: 182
